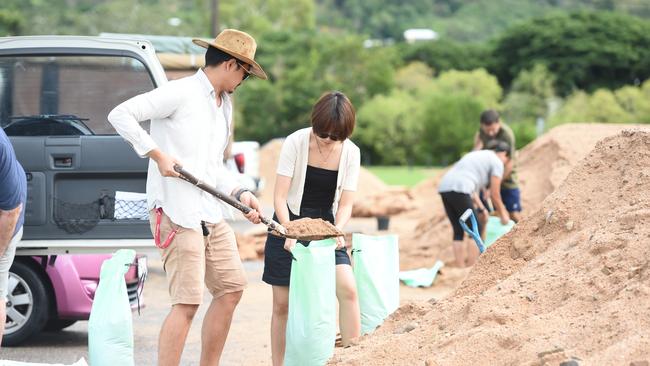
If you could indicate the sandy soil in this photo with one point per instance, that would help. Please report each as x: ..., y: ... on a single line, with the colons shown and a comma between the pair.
x: 571, y: 281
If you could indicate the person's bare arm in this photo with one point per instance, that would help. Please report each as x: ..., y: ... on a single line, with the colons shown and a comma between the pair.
x: 280, y: 193
x: 507, y: 169
x: 495, y: 193
x: 343, y: 214
x: 478, y: 203
x: 8, y: 220
x: 344, y: 211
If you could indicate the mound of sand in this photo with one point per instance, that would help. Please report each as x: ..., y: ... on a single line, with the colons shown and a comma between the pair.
x: 269, y: 155
x: 389, y: 201
x: 425, y: 233
x: 571, y: 281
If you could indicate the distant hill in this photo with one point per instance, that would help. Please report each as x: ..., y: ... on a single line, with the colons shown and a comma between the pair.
x: 460, y: 20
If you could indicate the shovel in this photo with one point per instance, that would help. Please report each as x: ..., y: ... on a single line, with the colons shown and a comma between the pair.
x: 473, y: 232
x: 318, y: 229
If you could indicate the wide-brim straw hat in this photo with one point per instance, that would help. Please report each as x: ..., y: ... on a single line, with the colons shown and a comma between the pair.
x: 237, y: 44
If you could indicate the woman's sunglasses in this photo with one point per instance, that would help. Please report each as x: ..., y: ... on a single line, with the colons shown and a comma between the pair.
x: 328, y: 136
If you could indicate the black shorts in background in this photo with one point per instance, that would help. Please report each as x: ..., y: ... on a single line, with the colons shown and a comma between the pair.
x: 455, y: 205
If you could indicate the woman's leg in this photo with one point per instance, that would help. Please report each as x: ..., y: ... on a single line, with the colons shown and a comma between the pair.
x: 279, y: 323
x: 349, y: 313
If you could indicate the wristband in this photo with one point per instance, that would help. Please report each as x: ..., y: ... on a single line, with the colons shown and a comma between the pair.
x: 239, y: 192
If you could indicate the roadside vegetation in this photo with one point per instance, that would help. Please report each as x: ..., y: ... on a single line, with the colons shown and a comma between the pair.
x: 418, y: 104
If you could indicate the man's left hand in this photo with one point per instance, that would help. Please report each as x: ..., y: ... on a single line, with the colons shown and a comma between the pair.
x: 251, y: 201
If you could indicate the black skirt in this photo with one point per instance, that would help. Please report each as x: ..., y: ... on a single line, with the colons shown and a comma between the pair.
x: 277, y: 261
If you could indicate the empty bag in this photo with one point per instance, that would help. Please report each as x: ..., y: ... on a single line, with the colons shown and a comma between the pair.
x: 311, y: 323
x: 376, y: 271
x: 110, y: 328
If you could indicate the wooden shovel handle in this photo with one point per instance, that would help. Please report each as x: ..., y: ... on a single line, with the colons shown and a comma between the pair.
x: 188, y: 177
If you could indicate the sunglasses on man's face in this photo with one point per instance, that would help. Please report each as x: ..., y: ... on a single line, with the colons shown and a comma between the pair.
x: 246, y: 72
x: 328, y: 136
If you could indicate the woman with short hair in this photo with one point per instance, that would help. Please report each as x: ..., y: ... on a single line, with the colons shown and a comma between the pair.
x: 317, y: 176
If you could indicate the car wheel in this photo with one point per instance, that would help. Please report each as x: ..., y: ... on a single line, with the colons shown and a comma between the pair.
x: 56, y: 324
x: 27, y: 304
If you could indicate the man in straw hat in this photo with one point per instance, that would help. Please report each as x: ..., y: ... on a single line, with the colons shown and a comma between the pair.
x: 190, y: 126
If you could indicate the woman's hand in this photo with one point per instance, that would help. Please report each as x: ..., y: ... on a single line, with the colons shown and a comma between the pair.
x: 289, y: 244
x: 340, y: 242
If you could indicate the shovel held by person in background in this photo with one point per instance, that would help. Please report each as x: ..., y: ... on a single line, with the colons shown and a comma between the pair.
x: 473, y: 232
x: 303, y: 229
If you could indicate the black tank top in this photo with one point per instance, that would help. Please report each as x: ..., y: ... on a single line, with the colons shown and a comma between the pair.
x: 320, y: 186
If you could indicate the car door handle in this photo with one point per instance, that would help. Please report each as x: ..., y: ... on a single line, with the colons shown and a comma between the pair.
x: 63, y: 162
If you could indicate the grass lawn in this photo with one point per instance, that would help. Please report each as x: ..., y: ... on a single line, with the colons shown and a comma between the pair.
x: 403, y: 175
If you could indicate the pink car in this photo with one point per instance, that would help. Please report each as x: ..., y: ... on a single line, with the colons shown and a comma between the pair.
x: 53, y: 292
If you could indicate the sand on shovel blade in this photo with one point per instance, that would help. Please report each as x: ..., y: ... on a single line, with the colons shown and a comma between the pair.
x: 310, y: 229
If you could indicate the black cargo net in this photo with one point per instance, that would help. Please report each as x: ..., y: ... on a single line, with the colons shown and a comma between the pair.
x: 78, y: 218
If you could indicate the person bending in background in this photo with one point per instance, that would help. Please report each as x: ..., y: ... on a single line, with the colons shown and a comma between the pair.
x: 459, y: 190
x: 13, y: 196
x: 492, y: 129
x: 317, y: 176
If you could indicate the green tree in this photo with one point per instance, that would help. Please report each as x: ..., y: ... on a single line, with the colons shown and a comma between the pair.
x: 414, y: 77
x: 387, y: 131
x: 601, y: 106
x: 584, y: 50
x: 529, y: 98
x: 445, y: 54
x: 478, y: 84
x: 449, y: 123
x: 302, y: 66
x: 11, y: 22
x: 635, y: 101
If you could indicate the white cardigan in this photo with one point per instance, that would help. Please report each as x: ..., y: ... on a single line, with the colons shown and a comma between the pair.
x: 293, y: 163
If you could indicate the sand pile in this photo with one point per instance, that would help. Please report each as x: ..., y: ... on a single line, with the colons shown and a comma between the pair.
x: 389, y: 201
x: 269, y: 155
x: 546, y: 162
x: 251, y: 246
x: 543, y: 165
x: 571, y: 281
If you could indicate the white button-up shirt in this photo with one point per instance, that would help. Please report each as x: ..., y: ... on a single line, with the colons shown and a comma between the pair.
x: 186, y: 124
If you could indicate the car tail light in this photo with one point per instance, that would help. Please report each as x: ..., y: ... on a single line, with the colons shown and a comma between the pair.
x: 239, y: 160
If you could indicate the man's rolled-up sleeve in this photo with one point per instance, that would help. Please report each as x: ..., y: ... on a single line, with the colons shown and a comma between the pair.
x: 156, y: 104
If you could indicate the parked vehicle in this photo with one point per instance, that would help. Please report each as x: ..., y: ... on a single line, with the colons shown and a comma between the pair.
x: 55, y: 94
x: 245, y: 161
x: 53, y: 292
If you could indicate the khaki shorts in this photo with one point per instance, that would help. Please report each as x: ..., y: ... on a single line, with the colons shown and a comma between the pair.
x: 193, y: 261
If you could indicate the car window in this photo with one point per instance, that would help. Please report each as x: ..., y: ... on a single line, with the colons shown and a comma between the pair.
x: 68, y: 94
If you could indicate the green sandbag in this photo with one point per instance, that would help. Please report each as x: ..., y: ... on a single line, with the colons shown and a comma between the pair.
x: 311, y: 323
x: 494, y: 230
x: 110, y: 327
x: 376, y: 271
